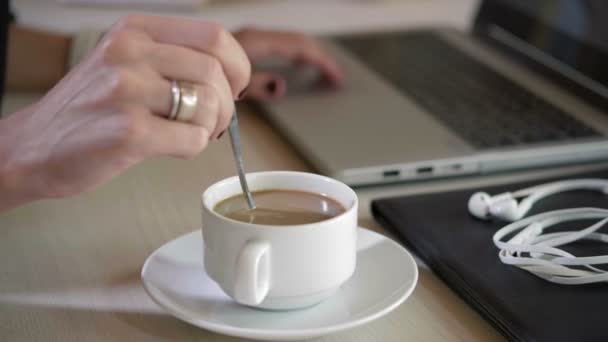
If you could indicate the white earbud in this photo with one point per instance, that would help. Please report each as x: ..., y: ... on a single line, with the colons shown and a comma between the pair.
x: 503, y: 206
x: 479, y: 205
x: 506, y: 207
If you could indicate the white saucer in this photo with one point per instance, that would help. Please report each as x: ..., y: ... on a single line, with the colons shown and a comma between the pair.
x: 175, y: 278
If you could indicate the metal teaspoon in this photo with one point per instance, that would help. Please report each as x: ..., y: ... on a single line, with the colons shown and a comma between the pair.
x: 235, y: 140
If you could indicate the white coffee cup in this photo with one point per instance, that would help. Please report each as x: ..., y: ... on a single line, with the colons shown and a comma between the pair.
x: 280, y: 267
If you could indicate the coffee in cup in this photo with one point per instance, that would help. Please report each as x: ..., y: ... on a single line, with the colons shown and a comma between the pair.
x: 280, y: 207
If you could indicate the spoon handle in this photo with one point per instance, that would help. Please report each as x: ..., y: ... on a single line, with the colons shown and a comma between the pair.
x: 235, y: 140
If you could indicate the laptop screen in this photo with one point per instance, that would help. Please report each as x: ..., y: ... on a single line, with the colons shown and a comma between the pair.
x: 566, y: 37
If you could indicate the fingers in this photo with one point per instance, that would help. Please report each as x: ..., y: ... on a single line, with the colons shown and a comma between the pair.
x: 201, y: 36
x: 266, y: 86
x: 134, y: 130
x: 139, y: 54
x: 296, y: 47
x: 155, y: 95
x: 178, y: 63
x: 172, y: 138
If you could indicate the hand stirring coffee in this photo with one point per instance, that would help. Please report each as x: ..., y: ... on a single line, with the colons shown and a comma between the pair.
x: 235, y: 140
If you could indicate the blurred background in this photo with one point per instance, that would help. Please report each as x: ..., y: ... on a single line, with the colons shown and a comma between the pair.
x: 318, y: 17
x: 314, y: 16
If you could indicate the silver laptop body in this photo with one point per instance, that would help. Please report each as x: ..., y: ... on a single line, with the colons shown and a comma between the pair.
x: 372, y: 132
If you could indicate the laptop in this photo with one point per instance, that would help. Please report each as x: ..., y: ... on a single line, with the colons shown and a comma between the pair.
x: 526, y: 87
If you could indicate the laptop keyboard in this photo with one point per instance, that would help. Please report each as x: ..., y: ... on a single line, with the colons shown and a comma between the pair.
x: 482, y: 106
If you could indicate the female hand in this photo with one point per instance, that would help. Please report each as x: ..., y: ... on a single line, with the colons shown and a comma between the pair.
x: 294, y: 47
x: 110, y: 111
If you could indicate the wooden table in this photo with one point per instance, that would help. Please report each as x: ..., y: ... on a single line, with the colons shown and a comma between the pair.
x: 69, y: 269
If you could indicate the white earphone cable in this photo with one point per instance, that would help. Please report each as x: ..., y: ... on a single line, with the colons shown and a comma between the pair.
x: 533, y: 249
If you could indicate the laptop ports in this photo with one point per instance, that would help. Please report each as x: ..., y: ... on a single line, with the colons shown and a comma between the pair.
x: 391, y: 173
x: 426, y: 170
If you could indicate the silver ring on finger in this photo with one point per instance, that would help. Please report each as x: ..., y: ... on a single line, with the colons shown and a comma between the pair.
x: 188, y: 103
x: 176, y: 96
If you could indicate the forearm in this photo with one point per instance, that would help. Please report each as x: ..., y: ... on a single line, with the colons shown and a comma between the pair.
x: 17, y: 184
x: 36, y: 60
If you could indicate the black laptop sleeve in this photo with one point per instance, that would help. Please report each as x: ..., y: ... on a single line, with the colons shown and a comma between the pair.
x: 459, y: 248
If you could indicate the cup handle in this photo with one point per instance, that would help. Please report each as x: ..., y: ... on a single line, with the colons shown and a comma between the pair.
x: 252, y: 278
